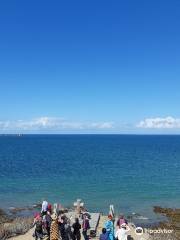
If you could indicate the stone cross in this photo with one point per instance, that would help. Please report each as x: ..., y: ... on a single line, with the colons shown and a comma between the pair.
x: 78, y: 205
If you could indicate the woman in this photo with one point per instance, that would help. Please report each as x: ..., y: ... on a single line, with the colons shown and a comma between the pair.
x: 38, y: 233
x: 54, y: 230
x: 85, y: 227
x: 121, y: 220
x: 122, y: 232
x: 110, y: 228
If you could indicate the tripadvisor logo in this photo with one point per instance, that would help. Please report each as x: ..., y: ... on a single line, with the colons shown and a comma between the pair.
x: 159, y: 231
x: 139, y: 231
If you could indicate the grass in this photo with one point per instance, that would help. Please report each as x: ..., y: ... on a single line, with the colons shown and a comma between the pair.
x: 16, y: 227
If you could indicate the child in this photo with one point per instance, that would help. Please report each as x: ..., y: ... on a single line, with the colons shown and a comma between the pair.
x: 104, y: 235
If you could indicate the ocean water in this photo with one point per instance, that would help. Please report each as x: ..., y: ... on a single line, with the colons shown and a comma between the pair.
x: 133, y: 172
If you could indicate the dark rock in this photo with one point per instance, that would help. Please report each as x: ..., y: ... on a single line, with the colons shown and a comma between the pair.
x: 15, y: 210
x: 4, y: 217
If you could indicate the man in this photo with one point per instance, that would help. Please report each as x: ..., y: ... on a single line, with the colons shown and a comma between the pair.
x: 122, y: 232
x: 76, y: 226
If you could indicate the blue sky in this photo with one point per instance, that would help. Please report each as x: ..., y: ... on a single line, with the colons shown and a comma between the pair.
x: 90, y: 66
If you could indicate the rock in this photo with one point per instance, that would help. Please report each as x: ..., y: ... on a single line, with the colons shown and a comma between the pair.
x: 37, y: 205
x: 173, y: 220
x: 4, y: 218
x: 15, y: 210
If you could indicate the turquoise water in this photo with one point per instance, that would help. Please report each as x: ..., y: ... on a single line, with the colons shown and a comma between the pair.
x: 132, y: 172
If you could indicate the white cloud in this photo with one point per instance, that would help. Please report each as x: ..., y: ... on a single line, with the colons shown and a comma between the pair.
x: 160, y: 123
x: 52, y: 123
x: 102, y: 125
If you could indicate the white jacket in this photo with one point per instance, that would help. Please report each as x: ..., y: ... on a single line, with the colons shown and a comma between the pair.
x: 122, y: 233
x: 44, y: 206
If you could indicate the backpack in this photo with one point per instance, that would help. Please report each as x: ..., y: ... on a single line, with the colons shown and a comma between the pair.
x: 48, y: 221
x: 86, y: 225
x: 39, y: 226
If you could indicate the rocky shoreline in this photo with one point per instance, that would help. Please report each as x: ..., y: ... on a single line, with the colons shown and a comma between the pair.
x: 172, y: 224
x: 13, y: 223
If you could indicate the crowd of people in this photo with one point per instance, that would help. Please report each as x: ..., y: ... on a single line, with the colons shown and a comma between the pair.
x: 55, y: 226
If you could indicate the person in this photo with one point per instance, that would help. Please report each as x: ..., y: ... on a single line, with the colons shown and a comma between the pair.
x: 61, y: 222
x: 38, y: 233
x: 48, y: 221
x: 110, y: 228
x: 103, y: 235
x: 122, y: 232
x: 54, y: 229
x: 76, y: 230
x: 121, y: 220
x: 85, y: 227
x: 68, y: 231
x: 44, y: 207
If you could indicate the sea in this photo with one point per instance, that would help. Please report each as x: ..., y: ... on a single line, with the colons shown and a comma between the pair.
x: 132, y: 172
